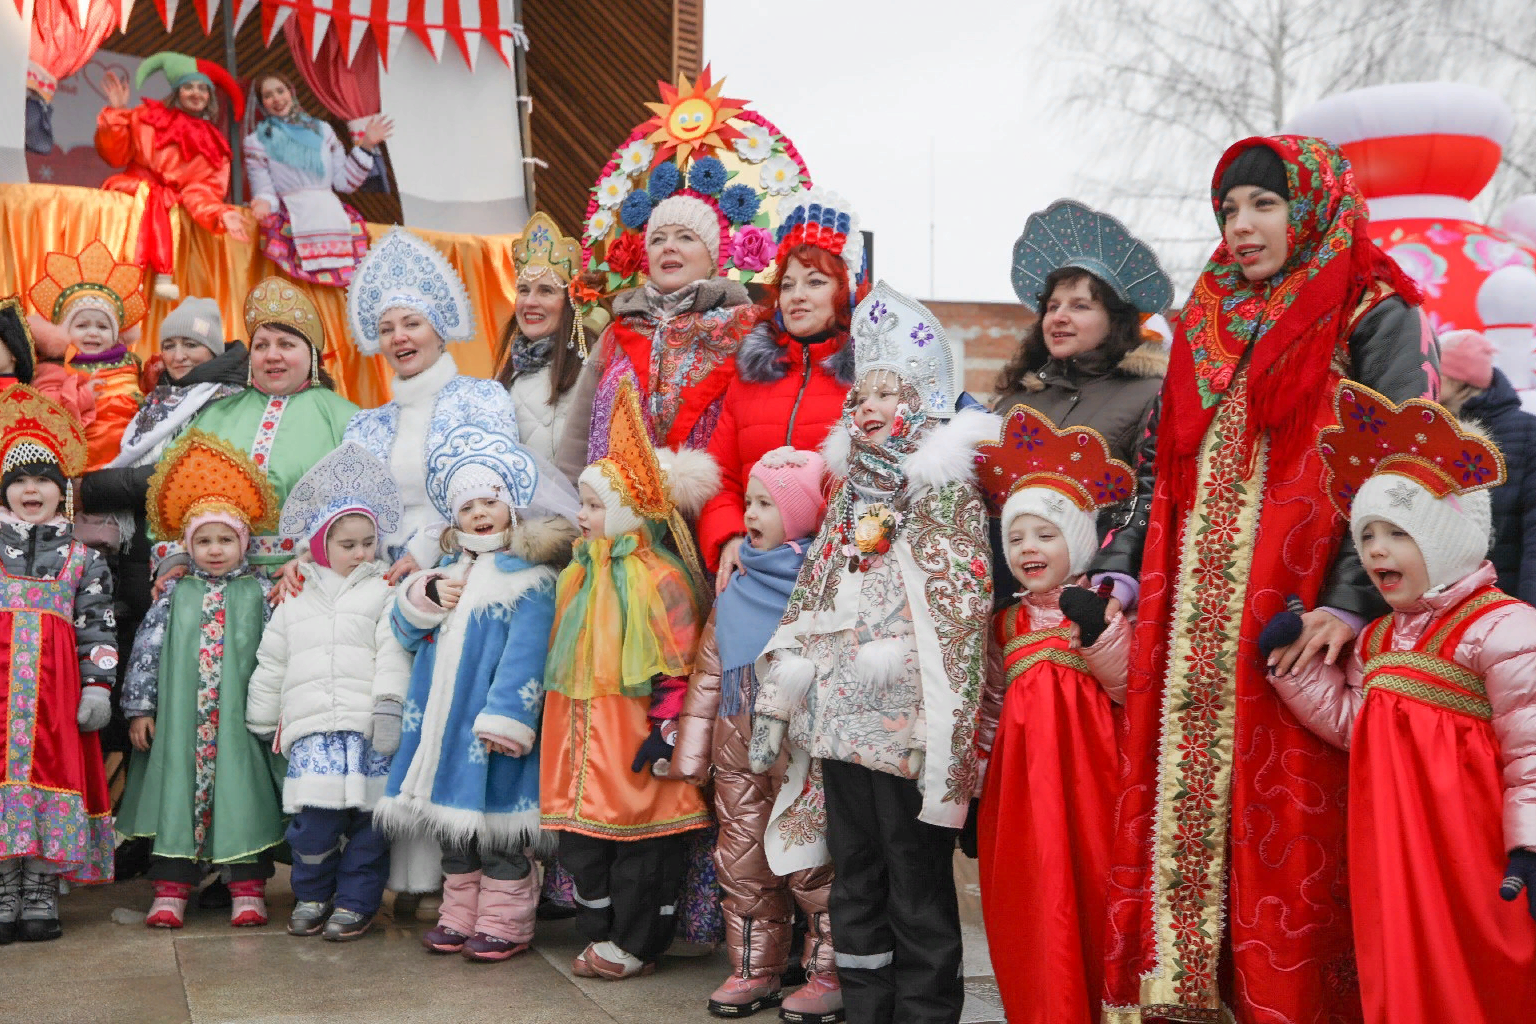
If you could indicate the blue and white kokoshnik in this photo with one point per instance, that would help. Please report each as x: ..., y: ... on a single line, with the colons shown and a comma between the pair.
x: 470, y: 450
x: 348, y: 477
x: 401, y: 271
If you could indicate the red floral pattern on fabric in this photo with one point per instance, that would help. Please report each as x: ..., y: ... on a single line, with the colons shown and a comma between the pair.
x: 210, y: 673
x: 266, y: 430
x: 56, y: 811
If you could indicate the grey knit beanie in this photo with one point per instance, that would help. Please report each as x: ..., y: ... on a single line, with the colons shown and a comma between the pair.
x: 198, y: 320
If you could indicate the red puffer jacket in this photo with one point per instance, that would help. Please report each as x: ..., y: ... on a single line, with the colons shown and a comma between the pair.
x: 785, y: 392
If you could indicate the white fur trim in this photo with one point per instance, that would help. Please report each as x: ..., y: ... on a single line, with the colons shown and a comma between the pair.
x: 789, y: 679
x: 1453, y: 533
x: 948, y: 454
x: 416, y: 616
x: 491, y: 590
x: 501, y: 729
x: 836, y: 449
x: 692, y: 477
x: 1078, y: 527
x: 881, y: 662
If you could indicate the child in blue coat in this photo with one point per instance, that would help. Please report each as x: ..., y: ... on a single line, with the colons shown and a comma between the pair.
x: 467, y: 771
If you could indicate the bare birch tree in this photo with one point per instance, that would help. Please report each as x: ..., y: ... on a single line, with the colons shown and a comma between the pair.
x: 1167, y: 85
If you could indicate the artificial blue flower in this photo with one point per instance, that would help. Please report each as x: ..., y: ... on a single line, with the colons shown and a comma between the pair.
x: 708, y: 176
x: 665, y: 178
x: 739, y: 203
x: 635, y: 210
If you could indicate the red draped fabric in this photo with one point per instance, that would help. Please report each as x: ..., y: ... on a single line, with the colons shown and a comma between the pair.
x: 347, y: 90
x: 61, y: 45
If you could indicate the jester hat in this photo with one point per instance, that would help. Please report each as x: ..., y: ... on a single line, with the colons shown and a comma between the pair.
x: 179, y: 69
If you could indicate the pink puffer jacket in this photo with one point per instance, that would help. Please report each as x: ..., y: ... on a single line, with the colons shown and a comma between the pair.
x: 1500, y: 647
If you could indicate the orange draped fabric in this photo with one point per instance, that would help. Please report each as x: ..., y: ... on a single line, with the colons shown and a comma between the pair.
x: 38, y: 219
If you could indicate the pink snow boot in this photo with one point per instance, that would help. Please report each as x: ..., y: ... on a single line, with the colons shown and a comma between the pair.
x: 456, y: 918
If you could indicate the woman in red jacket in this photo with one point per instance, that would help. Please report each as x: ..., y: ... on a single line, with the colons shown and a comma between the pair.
x: 795, y: 368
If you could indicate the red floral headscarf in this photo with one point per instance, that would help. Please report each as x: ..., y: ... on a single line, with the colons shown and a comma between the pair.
x: 1289, y: 326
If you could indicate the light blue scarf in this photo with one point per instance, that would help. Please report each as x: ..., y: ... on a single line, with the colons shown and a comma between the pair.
x: 295, y: 142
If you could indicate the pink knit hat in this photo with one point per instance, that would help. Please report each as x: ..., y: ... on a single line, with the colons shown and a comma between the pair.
x: 793, y: 478
x: 1467, y: 356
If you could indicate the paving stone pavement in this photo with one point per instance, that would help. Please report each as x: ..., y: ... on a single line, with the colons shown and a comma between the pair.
x: 209, y: 973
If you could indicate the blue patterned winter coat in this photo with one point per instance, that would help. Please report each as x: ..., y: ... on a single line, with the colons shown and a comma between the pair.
x: 478, y: 674
x: 403, y: 432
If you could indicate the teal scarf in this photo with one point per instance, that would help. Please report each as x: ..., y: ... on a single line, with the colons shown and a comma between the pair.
x: 295, y: 142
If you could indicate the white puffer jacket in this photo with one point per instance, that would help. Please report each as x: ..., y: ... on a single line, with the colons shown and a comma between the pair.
x: 539, y: 424
x: 326, y: 656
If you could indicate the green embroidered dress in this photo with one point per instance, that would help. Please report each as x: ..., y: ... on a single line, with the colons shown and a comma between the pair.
x: 285, y: 435
x: 207, y: 789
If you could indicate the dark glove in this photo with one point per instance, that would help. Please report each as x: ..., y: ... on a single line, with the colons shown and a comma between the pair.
x: 968, y: 830
x: 1283, y: 629
x: 1086, y: 609
x: 656, y: 751
x: 1520, y: 874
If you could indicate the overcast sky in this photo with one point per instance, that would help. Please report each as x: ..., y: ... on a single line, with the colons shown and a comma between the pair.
x: 864, y: 87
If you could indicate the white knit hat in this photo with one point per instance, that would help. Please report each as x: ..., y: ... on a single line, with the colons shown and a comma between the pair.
x: 1453, y: 532
x: 473, y: 480
x: 694, y: 214
x: 1077, y: 526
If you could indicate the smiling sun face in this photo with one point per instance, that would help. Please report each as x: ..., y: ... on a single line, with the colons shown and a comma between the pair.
x: 691, y: 120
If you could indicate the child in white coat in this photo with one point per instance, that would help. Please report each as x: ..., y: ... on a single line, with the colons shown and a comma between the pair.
x: 328, y: 660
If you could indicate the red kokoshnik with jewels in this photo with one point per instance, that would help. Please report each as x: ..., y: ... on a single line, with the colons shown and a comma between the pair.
x: 1433, y: 745
x: 1228, y: 882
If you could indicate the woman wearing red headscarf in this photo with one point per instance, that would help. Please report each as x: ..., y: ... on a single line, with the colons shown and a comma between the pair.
x: 1228, y: 891
x: 795, y: 368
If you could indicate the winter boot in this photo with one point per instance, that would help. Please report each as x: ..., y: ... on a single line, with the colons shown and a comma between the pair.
x: 248, y: 907
x: 818, y: 1001
x: 607, y: 960
x: 346, y: 925
x: 39, y: 907
x: 10, y: 899
x: 742, y: 997
x: 308, y: 917
x: 456, y: 919
x: 169, y: 910
x: 504, y: 923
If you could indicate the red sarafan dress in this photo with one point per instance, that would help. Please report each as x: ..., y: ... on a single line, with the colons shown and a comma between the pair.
x: 1046, y: 820
x: 54, y: 805
x: 1437, y: 707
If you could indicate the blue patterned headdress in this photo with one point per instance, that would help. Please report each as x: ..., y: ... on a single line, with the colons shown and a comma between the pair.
x: 895, y: 333
x: 1069, y: 234
x: 403, y: 272
x: 475, y: 462
x: 349, y: 478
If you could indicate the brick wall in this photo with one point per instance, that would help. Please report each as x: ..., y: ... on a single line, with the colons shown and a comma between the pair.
x: 988, y: 333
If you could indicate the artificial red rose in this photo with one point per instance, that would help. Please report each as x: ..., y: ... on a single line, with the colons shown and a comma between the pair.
x: 626, y: 254
x: 979, y: 567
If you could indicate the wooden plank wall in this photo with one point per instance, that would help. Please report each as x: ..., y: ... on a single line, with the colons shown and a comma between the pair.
x: 592, y: 64
x: 146, y: 35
